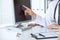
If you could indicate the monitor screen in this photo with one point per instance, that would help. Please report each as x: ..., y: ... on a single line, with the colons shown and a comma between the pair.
x: 19, y: 10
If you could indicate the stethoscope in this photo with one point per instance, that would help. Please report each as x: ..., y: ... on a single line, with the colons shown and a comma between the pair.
x: 55, y: 11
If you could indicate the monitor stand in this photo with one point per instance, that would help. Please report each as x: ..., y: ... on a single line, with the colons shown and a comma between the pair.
x: 23, y: 27
x: 19, y: 26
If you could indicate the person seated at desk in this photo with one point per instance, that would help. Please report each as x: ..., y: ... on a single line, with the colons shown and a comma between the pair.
x: 47, y: 18
x: 51, y: 26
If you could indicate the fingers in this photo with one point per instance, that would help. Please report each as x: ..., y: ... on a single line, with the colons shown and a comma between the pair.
x: 25, y: 13
x: 49, y: 28
x: 52, y: 27
x: 25, y: 6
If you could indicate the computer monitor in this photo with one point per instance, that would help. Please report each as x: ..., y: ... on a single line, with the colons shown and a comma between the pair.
x: 11, y: 12
x: 19, y: 10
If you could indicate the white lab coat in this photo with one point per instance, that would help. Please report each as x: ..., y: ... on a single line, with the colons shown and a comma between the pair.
x: 47, y: 18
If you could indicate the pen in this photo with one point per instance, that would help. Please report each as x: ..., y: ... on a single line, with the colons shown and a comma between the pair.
x: 33, y: 35
x: 41, y: 35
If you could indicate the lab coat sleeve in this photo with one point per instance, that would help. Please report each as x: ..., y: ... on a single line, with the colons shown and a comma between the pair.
x: 50, y: 13
x: 40, y: 20
x: 44, y: 21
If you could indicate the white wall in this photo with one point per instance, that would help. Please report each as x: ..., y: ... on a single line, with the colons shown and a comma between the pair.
x: 35, y: 5
x: 6, y: 12
x: 38, y: 6
x: 0, y: 10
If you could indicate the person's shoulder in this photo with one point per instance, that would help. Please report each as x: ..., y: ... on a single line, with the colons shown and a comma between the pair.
x: 53, y: 3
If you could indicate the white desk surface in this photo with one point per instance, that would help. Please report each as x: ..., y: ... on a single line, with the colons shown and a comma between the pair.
x: 27, y: 33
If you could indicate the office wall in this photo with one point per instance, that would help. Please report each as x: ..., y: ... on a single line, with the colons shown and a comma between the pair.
x: 6, y: 12
x: 39, y: 6
x: 0, y: 11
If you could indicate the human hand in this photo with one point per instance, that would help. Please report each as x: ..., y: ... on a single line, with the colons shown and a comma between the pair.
x: 59, y: 36
x: 29, y: 11
x: 54, y: 26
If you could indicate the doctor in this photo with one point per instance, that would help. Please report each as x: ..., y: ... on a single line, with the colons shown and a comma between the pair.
x: 48, y: 19
x: 45, y: 20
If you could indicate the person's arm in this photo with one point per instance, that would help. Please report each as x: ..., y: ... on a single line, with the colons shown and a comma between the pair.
x: 39, y: 19
x: 29, y: 11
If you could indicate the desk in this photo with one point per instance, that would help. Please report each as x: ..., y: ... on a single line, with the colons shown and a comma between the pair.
x: 17, y: 34
x: 27, y: 35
